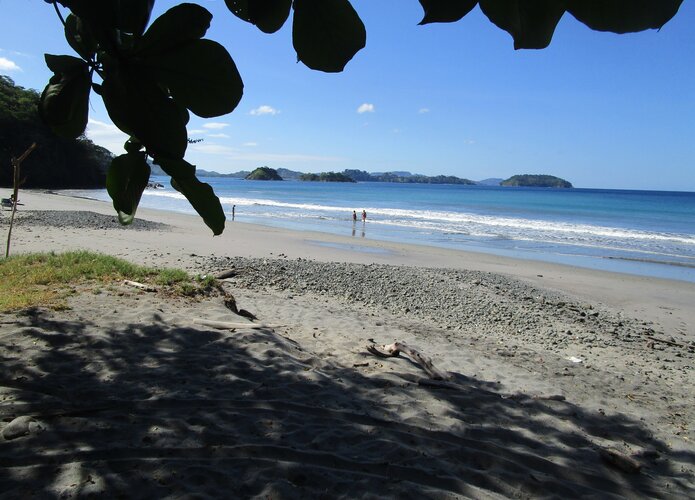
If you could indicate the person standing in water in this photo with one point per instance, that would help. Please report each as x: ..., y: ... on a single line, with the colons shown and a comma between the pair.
x: 364, y: 216
x: 354, y: 216
x: 233, y: 211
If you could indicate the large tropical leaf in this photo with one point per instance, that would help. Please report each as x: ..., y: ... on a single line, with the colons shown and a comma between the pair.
x: 268, y: 15
x: 623, y: 16
x: 140, y: 108
x: 327, y: 33
x: 133, y: 15
x: 445, y: 11
x: 64, y: 103
x: 79, y: 37
x: 129, y: 16
x: 177, y: 26
x: 201, y: 76
x: 199, y: 194
x: 530, y: 22
x: 126, y: 179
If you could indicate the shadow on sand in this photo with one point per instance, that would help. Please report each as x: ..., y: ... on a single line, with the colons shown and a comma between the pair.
x: 144, y: 411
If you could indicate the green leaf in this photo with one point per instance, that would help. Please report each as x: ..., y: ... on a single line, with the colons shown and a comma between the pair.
x: 126, y: 179
x: 327, y: 33
x: 530, y: 22
x: 140, y: 108
x: 64, y: 64
x: 132, y: 145
x: 177, y: 26
x: 199, y: 194
x: 445, y: 11
x: 129, y: 16
x: 201, y: 76
x: 268, y: 15
x: 64, y: 103
x: 623, y: 16
x: 133, y: 15
x: 78, y: 36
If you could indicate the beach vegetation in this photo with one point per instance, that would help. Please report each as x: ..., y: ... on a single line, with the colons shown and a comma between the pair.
x: 46, y: 279
x: 151, y: 76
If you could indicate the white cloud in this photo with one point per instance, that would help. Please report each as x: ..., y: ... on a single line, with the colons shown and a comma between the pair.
x: 264, y: 110
x: 229, y: 153
x: 215, y: 125
x: 196, y: 131
x: 106, y: 135
x: 212, y: 149
x: 219, y: 136
x: 366, y: 108
x: 422, y: 111
x: 7, y: 65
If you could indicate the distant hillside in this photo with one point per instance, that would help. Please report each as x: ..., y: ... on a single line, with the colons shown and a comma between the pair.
x: 264, y: 174
x: 57, y: 162
x: 289, y: 175
x: 492, y: 181
x: 362, y: 176
x: 528, y: 180
x: 326, y: 177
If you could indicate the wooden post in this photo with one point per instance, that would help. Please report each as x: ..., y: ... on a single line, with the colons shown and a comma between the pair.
x: 16, y: 164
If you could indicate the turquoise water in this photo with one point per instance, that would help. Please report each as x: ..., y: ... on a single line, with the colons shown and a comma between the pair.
x: 641, y: 232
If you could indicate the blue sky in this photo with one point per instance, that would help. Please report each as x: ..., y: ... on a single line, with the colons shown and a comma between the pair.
x: 598, y: 109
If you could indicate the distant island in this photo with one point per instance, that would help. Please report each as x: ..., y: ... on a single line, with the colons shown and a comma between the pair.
x: 402, y: 177
x: 326, y: 177
x: 263, y: 174
x: 528, y: 180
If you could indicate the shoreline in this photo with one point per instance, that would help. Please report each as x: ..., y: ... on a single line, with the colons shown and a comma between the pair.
x: 643, y: 262
x: 554, y: 371
x: 662, y: 301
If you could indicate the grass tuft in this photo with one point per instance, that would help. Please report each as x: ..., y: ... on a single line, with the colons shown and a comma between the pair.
x: 46, y: 279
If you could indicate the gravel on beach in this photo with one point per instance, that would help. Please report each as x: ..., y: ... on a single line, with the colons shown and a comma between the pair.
x: 506, y: 317
x: 78, y: 220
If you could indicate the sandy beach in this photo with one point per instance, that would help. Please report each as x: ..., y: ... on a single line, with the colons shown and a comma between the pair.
x: 561, y: 382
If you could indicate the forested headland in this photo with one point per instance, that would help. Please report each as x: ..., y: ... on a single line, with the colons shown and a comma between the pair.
x: 57, y: 162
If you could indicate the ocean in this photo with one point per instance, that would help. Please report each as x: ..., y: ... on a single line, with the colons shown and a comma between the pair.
x: 649, y: 233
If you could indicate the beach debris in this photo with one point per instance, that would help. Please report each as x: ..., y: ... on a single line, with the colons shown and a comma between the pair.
x: 226, y: 325
x: 141, y: 286
x: 620, y: 461
x: 664, y: 341
x: 230, y: 303
x: 230, y: 273
x: 395, y: 349
x: 574, y: 359
x: 21, y: 426
x: 247, y: 314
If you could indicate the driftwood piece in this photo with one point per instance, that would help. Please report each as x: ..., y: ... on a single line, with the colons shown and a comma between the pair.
x: 668, y: 342
x: 230, y: 273
x: 141, y: 286
x: 226, y: 325
x: 393, y: 350
x: 620, y: 461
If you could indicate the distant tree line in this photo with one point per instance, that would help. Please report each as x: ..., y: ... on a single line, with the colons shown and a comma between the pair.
x: 58, y: 162
x: 326, y: 177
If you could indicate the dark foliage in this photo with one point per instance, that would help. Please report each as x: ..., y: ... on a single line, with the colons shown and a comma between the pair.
x: 58, y: 162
